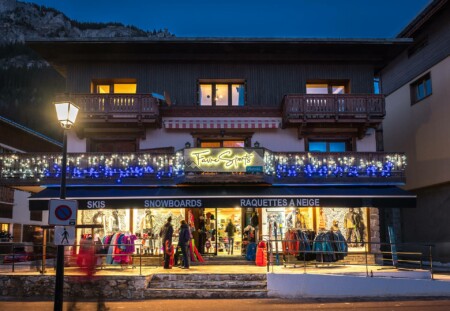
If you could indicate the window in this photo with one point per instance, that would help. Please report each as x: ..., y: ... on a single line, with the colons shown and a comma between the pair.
x: 36, y: 215
x: 327, y: 87
x: 116, y: 86
x: 221, y: 93
x: 376, y: 85
x: 223, y: 144
x: 421, y: 89
x: 6, y: 210
x: 328, y: 146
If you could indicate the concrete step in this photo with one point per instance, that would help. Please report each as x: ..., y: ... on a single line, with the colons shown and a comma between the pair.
x: 208, y: 277
x: 204, y: 293
x: 252, y: 285
x: 185, y: 285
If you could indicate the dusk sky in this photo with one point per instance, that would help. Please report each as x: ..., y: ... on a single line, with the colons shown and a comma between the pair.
x: 250, y: 18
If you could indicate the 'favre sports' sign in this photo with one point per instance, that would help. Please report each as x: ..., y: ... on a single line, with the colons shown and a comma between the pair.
x: 223, y: 160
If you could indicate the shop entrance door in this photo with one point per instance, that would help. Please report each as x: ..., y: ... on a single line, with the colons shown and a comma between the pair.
x: 217, y: 221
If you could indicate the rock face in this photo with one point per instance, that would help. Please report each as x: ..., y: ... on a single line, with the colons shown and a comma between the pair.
x: 27, y: 82
x: 25, y: 21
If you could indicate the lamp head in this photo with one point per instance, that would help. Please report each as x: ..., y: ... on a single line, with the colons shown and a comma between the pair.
x: 67, y: 113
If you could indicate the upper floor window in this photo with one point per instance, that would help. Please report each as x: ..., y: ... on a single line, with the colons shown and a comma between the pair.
x: 329, y: 146
x: 222, y: 144
x: 327, y: 87
x: 421, y: 88
x: 116, y: 86
x: 221, y: 93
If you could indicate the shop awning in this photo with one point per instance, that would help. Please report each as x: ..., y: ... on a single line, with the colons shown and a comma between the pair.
x: 231, y: 196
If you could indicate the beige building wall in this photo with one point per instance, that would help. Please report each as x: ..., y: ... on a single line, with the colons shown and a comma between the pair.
x: 422, y: 130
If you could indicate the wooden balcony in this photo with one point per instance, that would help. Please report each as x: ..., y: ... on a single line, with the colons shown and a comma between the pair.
x: 143, y: 168
x: 335, y: 109
x: 319, y: 168
x: 138, y: 109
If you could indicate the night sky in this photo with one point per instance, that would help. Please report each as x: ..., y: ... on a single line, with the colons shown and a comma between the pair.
x: 250, y: 18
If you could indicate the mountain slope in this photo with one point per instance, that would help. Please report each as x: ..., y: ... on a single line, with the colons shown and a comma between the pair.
x: 27, y: 83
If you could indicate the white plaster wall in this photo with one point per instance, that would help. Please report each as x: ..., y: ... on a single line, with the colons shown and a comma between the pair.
x: 422, y: 130
x: 21, y: 212
x: 280, y: 140
x: 272, y: 139
x: 368, y: 143
x: 339, y: 286
x: 160, y: 138
x: 74, y: 144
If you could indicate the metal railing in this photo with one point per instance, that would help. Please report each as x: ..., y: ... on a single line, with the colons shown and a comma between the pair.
x: 374, y: 254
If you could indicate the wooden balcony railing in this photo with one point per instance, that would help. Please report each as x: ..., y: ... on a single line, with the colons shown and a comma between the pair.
x: 336, y: 167
x: 342, y: 107
x: 161, y: 169
x: 114, y: 106
x: 89, y: 168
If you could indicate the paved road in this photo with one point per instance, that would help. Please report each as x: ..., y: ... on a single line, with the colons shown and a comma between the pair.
x: 243, y: 304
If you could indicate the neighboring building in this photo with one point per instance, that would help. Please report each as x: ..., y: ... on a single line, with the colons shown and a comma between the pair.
x: 272, y: 134
x: 416, y: 85
x: 15, y: 217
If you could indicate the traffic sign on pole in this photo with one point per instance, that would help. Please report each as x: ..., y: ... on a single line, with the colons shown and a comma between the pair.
x: 64, y: 235
x: 62, y: 212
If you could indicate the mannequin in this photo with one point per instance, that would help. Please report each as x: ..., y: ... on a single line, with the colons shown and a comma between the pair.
x: 99, y: 218
x: 146, y: 228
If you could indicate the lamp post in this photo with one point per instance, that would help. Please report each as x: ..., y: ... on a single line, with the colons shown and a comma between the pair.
x: 66, y: 113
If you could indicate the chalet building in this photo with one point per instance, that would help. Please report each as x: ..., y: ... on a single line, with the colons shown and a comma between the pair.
x: 417, y: 122
x: 16, y: 220
x: 274, y: 135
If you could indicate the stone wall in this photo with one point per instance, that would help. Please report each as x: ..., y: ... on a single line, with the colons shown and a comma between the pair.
x: 110, y: 287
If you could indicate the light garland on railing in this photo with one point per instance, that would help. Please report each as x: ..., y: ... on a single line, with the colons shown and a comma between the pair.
x: 112, y: 166
x: 142, y: 165
x: 315, y: 165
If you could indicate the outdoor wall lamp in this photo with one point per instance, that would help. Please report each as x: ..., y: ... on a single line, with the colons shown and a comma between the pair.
x: 187, y: 145
x: 256, y: 144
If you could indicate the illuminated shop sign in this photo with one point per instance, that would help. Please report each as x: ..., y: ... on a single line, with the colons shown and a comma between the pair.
x: 223, y: 160
x: 199, y: 202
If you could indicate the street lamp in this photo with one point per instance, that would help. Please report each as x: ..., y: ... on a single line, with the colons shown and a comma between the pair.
x: 66, y: 113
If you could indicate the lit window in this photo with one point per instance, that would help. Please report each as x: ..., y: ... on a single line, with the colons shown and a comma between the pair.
x: 333, y: 87
x: 421, y: 89
x: 221, y: 94
x: 205, y: 94
x: 127, y: 86
x: 317, y: 89
x: 103, y: 89
x: 223, y: 144
x: 122, y: 88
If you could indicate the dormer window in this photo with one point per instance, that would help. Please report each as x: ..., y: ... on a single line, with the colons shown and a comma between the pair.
x: 221, y: 93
